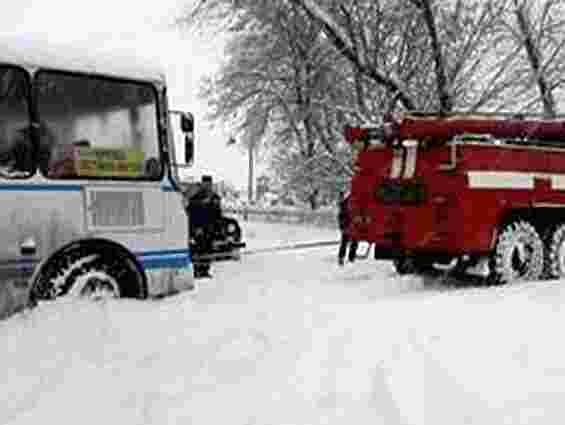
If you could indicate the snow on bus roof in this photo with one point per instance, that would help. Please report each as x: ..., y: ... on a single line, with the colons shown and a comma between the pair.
x: 36, y: 53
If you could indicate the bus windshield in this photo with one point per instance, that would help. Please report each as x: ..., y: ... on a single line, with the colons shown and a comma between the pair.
x: 16, y: 151
x: 96, y: 127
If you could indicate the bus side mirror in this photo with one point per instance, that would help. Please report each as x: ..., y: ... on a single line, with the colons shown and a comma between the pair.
x: 187, y: 127
x: 187, y: 123
x: 188, y: 149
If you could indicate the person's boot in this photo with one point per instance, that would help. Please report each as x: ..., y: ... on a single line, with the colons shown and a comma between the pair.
x: 200, y: 272
x: 340, y: 261
x: 353, y: 252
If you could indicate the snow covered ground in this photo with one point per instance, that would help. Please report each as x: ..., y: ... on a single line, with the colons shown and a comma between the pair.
x: 290, y: 338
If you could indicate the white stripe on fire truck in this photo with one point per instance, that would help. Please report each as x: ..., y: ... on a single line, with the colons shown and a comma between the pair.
x: 397, y: 160
x: 411, y: 157
x: 558, y: 181
x: 512, y: 180
x: 500, y: 180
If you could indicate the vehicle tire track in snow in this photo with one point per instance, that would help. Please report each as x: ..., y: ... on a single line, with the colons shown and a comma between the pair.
x: 326, y: 365
x: 293, y: 339
x: 383, y: 399
x: 429, y: 394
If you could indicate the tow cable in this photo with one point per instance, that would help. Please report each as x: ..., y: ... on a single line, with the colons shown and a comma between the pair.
x: 197, y: 258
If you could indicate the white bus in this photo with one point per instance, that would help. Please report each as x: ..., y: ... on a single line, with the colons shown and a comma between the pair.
x: 89, y: 195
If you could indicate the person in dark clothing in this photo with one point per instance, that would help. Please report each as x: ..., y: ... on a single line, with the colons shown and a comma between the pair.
x: 18, y: 159
x: 344, y: 219
x: 204, y: 210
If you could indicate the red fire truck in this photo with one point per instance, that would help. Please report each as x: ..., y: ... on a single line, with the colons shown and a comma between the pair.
x: 482, y: 193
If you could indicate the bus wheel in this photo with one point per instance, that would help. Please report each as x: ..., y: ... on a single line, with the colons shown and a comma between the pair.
x: 518, y: 254
x: 556, y: 253
x: 88, y: 272
x: 95, y: 284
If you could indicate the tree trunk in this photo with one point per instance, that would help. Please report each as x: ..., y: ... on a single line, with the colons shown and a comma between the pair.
x: 339, y: 38
x: 442, y: 85
x: 313, y: 200
x: 534, y: 59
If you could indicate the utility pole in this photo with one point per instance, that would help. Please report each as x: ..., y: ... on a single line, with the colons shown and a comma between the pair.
x: 250, y: 181
x: 250, y: 175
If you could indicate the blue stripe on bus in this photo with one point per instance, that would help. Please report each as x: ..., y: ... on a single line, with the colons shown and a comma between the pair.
x: 185, y: 251
x: 18, y: 260
x: 160, y: 263
x: 15, y: 187
x: 164, y: 259
x: 149, y: 260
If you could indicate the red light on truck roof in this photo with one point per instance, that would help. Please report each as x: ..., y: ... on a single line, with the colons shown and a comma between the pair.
x: 383, y: 133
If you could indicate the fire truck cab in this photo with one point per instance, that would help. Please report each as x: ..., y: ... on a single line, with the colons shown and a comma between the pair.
x: 475, y: 191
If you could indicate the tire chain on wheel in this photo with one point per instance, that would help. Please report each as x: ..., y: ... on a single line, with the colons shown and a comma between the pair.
x: 506, y: 240
x: 56, y: 268
x: 114, y: 265
x: 555, y: 240
x: 71, y: 278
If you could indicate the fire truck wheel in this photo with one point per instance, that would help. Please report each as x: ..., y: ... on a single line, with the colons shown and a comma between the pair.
x: 403, y: 265
x: 556, y: 253
x: 518, y: 254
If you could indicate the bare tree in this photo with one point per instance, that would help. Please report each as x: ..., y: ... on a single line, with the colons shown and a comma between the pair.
x: 530, y: 35
x: 296, y: 71
x: 437, y: 47
x: 347, y: 46
x: 442, y: 85
x: 278, y: 83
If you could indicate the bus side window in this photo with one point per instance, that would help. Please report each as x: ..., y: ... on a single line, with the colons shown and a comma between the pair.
x: 16, y: 146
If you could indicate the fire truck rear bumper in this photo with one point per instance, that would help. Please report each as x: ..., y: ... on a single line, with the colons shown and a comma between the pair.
x: 388, y: 253
x: 420, y: 230
x: 436, y: 245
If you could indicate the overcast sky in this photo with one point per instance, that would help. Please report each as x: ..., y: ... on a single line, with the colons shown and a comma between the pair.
x: 143, y: 27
